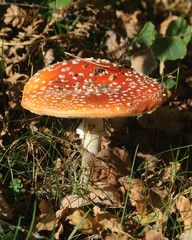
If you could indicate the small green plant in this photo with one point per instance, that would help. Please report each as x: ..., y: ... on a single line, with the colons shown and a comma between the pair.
x: 173, y: 45
x: 17, y: 187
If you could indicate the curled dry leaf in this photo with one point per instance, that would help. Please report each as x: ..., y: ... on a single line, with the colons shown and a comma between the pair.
x: 185, y: 208
x: 132, y: 22
x: 121, y: 159
x: 89, y: 224
x: 144, y: 61
x: 110, y: 221
x: 5, y: 32
x: 116, y: 45
x: 107, y: 193
x: 61, y: 217
x: 60, y: 166
x: 49, y: 56
x: 17, y: 54
x: 15, y: 16
x: 74, y: 201
x: 118, y: 161
x: 137, y: 191
x: 82, y: 29
x: 47, y: 220
x: 101, y: 171
x: 14, y: 93
x: 164, y: 25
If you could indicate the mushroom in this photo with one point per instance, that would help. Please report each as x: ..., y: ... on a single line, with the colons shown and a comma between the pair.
x: 91, y: 89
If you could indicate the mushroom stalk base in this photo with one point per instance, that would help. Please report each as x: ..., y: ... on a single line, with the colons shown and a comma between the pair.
x: 91, y: 131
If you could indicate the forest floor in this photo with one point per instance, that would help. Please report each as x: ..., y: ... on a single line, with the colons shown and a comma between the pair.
x: 140, y: 183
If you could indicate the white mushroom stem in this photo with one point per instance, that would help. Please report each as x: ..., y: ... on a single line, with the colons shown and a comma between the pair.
x: 91, y: 131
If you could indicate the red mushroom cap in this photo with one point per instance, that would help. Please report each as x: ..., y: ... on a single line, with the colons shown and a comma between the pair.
x: 91, y: 88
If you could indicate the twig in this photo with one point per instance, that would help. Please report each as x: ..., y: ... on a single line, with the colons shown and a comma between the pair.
x: 30, y: 6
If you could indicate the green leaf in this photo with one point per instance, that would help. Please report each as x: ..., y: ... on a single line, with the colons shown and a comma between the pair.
x: 16, y: 186
x: 169, y: 48
x: 169, y: 83
x: 179, y: 28
x: 146, y: 35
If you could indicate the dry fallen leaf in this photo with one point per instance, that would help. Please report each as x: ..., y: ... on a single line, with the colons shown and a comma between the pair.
x: 61, y: 216
x: 144, y: 61
x: 82, y: 29
x: 109, y: 221
x: 116, y: 45
x: 49, y: 57
x: 113, y: 236
x: 164, y: 25
x: 153, y: 235
x: 15, y: 16
x: 74, y: 201
x: 108, y: 194
x: 137, y: 192
x: 5, y: 210
x: 89, y: 224
x: 185, y: 207
x: 103, y: 171
x: 186, y: 235
x: 47, y: 220
x: 132, y: 22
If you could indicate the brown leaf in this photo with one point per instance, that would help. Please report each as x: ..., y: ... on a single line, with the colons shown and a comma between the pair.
x: 116, y: 45
x: 15, y: 16
x: 89, y: 224
x: 4, y: 32
x: 47, y: 220
x: 82, y: 29
x: 49, y: 56
x: 17, y: 54
x: 102, y: 172
x: 107, y: 193
x: 5, y: 210
x: 113, y: 236
x: 14, y: 94
x: 132, y: 22
x: 137, y: 191
x: 153, y: 235
x: 61, y: 216
x: 74, y: 201
x: 164, y: 25
x: 185, y: 207
x: 109, y: 221
x: 186, y: 235
x: 59, y: 231
x: 144, y: 61
x: 120, y: 158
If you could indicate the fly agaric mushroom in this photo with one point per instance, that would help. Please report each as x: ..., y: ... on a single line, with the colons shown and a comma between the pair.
x: 89, y: 88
